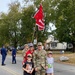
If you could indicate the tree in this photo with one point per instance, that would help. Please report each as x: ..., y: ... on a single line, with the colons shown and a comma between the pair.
x: 14, y: 17
x: 27, y: 24
x: 41, y: 35
x: 10, y: 25
x: 62, y: 14
x: 64, y: 21
x: 4, y: 31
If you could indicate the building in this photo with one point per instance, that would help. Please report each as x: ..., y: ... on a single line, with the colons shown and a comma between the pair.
x: 54, y: 44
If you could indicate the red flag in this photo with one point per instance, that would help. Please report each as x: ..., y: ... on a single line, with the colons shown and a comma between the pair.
x: 40, y: 23
x: 39, y: 18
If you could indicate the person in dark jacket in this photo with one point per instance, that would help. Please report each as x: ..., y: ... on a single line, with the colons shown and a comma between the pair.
x: 28, y: 66
x: 13, y: 55
x: 3, y: 53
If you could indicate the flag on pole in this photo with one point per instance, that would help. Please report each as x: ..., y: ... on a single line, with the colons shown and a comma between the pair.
x: 39, y: 28
x: 39, y: 17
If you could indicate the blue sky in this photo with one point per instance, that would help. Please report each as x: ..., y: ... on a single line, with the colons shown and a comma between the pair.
x: 4, y: 5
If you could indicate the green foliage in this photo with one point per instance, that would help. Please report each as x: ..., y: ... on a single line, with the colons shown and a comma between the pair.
x: 40, y: 35
x: 64, y: 20
x: 18, y: 26
x: 9, y: 24
x: 14, y: 17
x: 27, y: 24
x: 4, y: 31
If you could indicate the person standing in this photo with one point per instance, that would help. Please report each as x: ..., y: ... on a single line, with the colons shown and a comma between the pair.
x: 13, y: 55
x: 26, y: 48
x: 3, y: 53
x: 24, y: 53
x: 39, y: 59
x: 28, y: 66
x: 30, y: 51
x: 50, y: 61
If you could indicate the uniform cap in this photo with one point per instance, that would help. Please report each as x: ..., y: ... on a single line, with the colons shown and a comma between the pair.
x: 39, y: 43
x: 29, y: 55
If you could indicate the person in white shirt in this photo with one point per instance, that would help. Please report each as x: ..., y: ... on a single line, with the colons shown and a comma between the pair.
x: 50, y: 61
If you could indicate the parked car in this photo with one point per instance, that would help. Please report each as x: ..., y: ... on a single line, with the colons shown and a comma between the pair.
x: 20, y: 48
x: 9, y: 48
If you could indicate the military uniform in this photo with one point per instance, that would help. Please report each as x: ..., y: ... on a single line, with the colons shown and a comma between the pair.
x: 3, y: 53
x: 13, y: 56
x: 39, y: 59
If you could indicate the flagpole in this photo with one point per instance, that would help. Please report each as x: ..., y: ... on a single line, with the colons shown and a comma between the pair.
x: 41, y: 2
x: 39, y: 21
x: 34, y: 30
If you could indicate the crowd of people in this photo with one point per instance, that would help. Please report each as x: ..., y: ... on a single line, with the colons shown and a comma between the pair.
x: 35, y: 62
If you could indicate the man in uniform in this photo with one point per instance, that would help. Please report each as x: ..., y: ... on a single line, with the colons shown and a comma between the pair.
x: 39, y: 59
x: 13, y: 55
x: 3, y: 53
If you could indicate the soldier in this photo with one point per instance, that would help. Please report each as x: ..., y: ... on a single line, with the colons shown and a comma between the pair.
x: 3, y: 53
x: 13, y: 55
x: 39, y: 59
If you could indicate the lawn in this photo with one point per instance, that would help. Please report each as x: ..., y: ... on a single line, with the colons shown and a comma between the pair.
x: 70, y: 55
